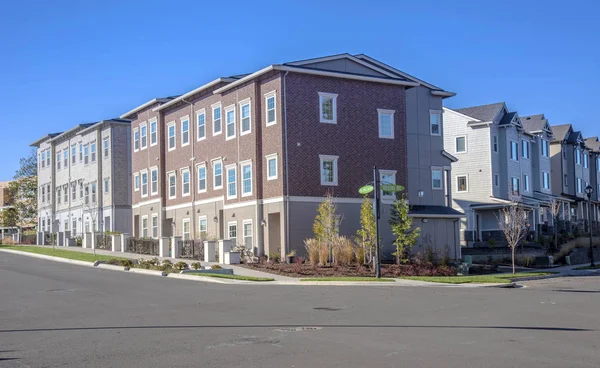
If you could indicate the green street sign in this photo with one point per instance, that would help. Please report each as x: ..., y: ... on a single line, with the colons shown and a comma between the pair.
x: 366, y: 189
x: 392, y: 187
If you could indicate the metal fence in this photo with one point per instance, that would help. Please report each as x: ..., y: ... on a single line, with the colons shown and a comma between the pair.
x: 193, y: 249
x: 29, y: 239
x: 50, y: 238
x: 104, y: 241
x: 143, y: 246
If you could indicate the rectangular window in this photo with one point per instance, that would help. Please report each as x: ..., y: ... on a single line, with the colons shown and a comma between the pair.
x: 43, y: 159
x: 328, y: 107
x: 525, y: 149
x: 217, y: 174
x: 58, y: 160
x: 216, y: 112
x: 153, y: 133
x: 247, y: 233
x: 232, y: 233
x: 43, y: 193
x: 386, y: 123
x: 578, y: 157
x: 566, y: 180
x: 144, y: 226
x: 81, y: 194
x: 515, y: 186
x: 106, y: 186
x: 230, y: 122
x: 48, y: 158
x: 201, y: 121
x: 144, y: 135
x: 545, y: 148
x: 136, y: 182
x: 74, y: 228
x: 546, y: 180
x: 329, y: 169
x: 86, y: 154
x: 387, y: 177
x: 514, y: 151
x: 185, y: 182
x: 585, y: 160
x: 461, y: 144
x: 497, y: 180
x: 93, y: 150
x: 155, y: 226
x: 245, y: 121
x: 66, y: 158
x: 271, y: 166
x: 246, y: 170
x: 579, y: 185
x: 202, y: 178
x: 73, y: 192
x: 271, y: 108
x: 435, y: 122
x: 144, y: 184
x: 186, y: 229
x: 172, y: 185
x: 105, y: 145
x: 136, y: 140
x: 58, y: 195
x: 526, y: 182
x: 436, y: 179
x: 171, y: 132
x: 462, y: 184
x: 80, y: 152
x: 231, y: 182
x: 185, y: 131
x: 153, y: 181
x: 93, y: 192
x: 495, y: 143
x: 202, y: 227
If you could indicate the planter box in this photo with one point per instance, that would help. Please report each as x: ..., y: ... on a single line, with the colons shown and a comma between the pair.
x: 232, y: 258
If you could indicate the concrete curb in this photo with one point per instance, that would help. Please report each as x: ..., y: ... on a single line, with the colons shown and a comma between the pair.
x: 183, y: 276
x: 49, y: 258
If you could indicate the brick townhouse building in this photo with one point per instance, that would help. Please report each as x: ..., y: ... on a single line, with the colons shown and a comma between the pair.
x: 250, y: 157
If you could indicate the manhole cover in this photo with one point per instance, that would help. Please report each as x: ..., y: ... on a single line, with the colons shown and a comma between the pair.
x: 298, y: 329
x: 329, y: 309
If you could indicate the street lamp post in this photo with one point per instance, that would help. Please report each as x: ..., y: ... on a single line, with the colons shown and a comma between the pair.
x: 588, y: 191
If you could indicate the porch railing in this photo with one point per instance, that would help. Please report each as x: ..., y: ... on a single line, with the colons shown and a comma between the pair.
x: 143, y: 246
x: 193, y: 249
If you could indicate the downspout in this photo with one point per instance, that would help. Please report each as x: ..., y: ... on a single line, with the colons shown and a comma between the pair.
x: 287, y: 176
x: 192, y: 172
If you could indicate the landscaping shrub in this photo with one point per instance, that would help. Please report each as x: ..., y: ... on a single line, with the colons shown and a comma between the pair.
x: 343, y: 250
x: 323, y: 254
x: 113, y: 261
x: 179, y: 266
x: 215, y: 267
x: 360, y: 255
x: 312, y: 247
x: 297, y: 265
x: 274, y: 257
x: 126, y: 263
x: 196, y: 265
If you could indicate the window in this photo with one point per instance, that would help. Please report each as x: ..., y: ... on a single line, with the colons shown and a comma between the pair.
x: 526, y: 182
x: 386, y: 123
x: 566, y: 180
x: 144, y: 183
x: 462, y: 184
x: 80, y: 152
x: 217, y: 174
x: 73, y: 192
x: 144, y: 226
x: 247, y: 233
x: 271, y: 109
x: 515, y: 186
x: 185, y: 182
x: 329, y: 169
x: 579, y: 185
x: 231, y: 182
x: 144, y: 135
x: 436, y: 179
x: 202, y: 227
x: 578, y: 157
x: 66, y: 158
x: 525, y: 149
x: 216, y: 112
x: 58, y: 195
x: 86, y: 154
x: 155, y: 226
x: 136, y: 182
x: 43, y: 159
x: 201, y: 121
x: 153, y: 133
x: 58, y: 160
x: 328, y: 107
x: 585, y: 160
x: 230, y: 122
x: 43, y: 193
x: 48, y: 163
x: 232, y: 233
x: 81, y: 194
x: 246, y: 170
x: 74, y: 228
x: 172, y: 185
x: 461, y: 144
x: 106, y: 186
x: 136, y: 140
x: 105, y: 145
x: 546, y: 180
x: 245, y: 121
x: 171, y: 132
x: 387, y: 177
x: 185, y: 131
x: 93, y: 192
x: 271, y: 166
x: 435, y: 122
x: 201, y: 178
x: 186, y: 229
x: 495, y: 143
x: 93, y: 150
x: 153, y: 181
x: 545, y: 148
x: 496, y: 180
x: 514, y: 151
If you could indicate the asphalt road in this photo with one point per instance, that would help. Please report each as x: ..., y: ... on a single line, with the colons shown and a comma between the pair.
x: 60, y: 315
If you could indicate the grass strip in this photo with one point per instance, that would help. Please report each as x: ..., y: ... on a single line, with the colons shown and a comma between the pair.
x: 231, y: 277
x: 61, y: 253
x: 504, y: 278
x: 349, y: 279
x: 587, y: 268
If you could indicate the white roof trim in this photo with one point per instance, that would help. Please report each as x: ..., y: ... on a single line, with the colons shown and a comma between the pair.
x: 462, y: 115
x: 199, y: 89
x: 344, y: 56
x: 443, y: 93
x: 143, y: 106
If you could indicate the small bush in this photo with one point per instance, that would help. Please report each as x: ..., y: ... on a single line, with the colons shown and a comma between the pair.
x: 323, y: 254
x: 297, y: 265
x: 126, y: 263
x: 274, y: 257
x: 196, y: 265
x: 179, y: 266
x: 360, y: 255
x: 312, y: 247
x: 114, y: 261
x: 343, y: 250
x: 215, y: 267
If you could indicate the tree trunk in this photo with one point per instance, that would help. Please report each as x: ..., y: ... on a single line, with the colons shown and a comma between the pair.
x: 513, y: 259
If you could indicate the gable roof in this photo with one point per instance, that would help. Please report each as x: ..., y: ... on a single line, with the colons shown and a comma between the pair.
x: 508, y: 118
x: 483, y: 112
x: 536, y: 123
x: 560, y: 132
x: 43, y: 139
x: 593, y: 143
x: 146, y: 104
x: 575, y: 137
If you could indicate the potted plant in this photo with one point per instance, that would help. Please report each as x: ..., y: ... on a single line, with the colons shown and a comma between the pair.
x: 289, y: 258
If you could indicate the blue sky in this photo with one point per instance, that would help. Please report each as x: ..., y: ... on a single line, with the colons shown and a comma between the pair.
x: 68, y: 62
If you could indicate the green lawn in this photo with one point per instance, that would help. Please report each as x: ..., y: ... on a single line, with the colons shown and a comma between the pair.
x: 504, y: 278
x: 587, y: 268
x: 231, y: 277
x: 69, y: 254
x: 352, y: 279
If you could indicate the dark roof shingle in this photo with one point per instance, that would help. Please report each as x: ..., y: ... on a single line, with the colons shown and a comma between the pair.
x: 560, y: 131
x: 534, y: 123
x: 483, y: 112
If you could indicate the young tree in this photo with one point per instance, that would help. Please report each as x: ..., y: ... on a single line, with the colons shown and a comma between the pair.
x: 23, y: 191
x: 406, y: 235
x: 555, y: 211
x: 327, y: 222
x: 366, y: 235
x: 514, y: 224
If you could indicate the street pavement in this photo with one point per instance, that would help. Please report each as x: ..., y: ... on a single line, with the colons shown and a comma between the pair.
x: 61, y: 315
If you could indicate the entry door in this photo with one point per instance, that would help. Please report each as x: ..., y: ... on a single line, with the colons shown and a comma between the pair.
x: 274, y: 231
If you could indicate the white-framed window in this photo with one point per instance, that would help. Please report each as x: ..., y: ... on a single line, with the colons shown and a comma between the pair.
x: 546, y: 180
x: 230, y: 122
x: 328, y: 107
x: 525, y: 149
x: 515, y: 186
x: 185, y: 182
x: 86, y: 154
x: 201, y: 178
x: 545, y: 148
x: 186, y: 228
x: 246, y: 173
x: 48, y: 160
x: 136, y: 140
x: 202, y: 226
x: 58, y: 195
x: 171, y: 132
x: 526, y: 183
x: 73, y: 192
x: 172, y: 185
x: 495, y: 143
x: 93, y: 192
x: 578, y: 157
x: 80, y: 152
x: 231, y: 173
x: 461, y: 144
x: 586, y: 161
x: 145, y: 183
x: 245, y: 119
x: 136, y: 182
x: 155, y: 226
x: 271, y: 166
x: 579, y: 185
x: 496, y: 180
x: 185, y: 131
x: 66, y: 158
x: 329, y: 169
x: 217, y: 174
x: 232, y: 232
x: 201, y: 124
x: 43, y: 159
x: 74, y: 227
x: 106, y: 186
x: 143, y: 135
x: 81, y: 194
x: 386, y: 123
x: 216, y: 117
x: 247, y: 234
x: 58, y: 160
x: 514, y: 151
x: 93, y: 151
x: 271, y: 108
x: 43, y: 193
x: 436, y: 178
x: 153, y: 133
x: 435, y: 122
x: 387, y: 177
x: 566, y: 180
x: 462, y: 183
x: 144, y: 226
x: 105, y: 147
x: 154, y: 181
